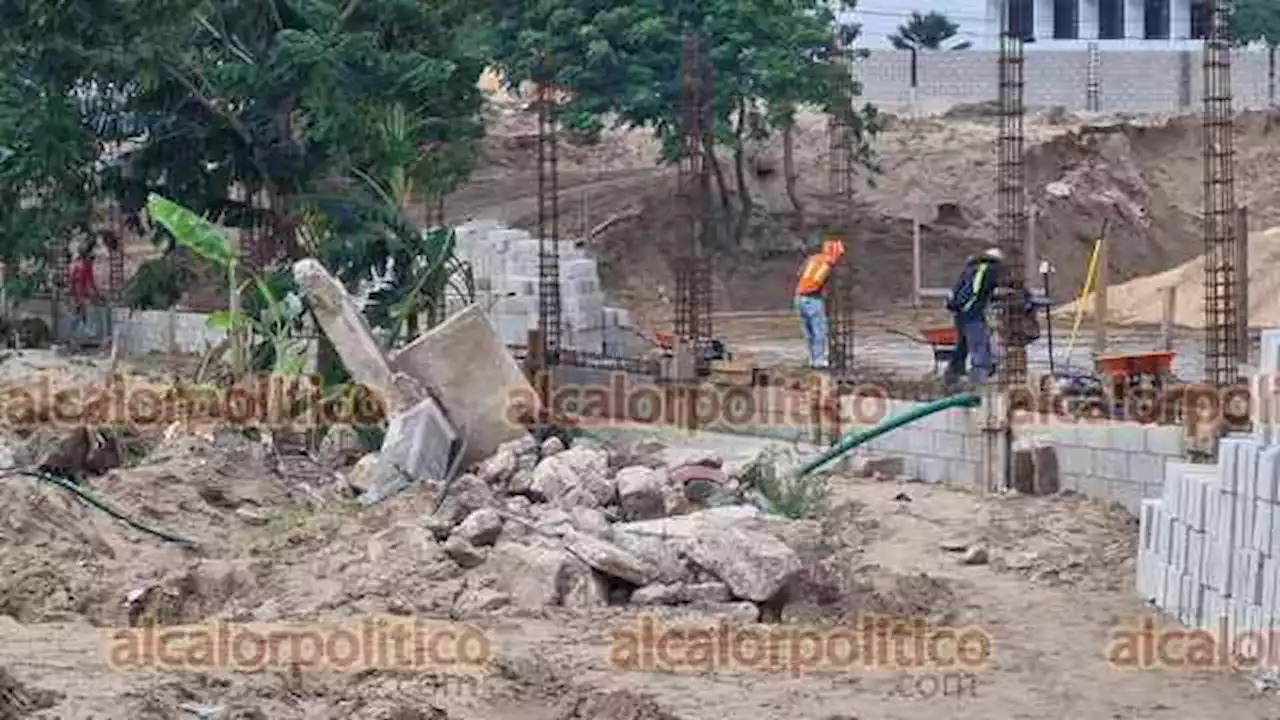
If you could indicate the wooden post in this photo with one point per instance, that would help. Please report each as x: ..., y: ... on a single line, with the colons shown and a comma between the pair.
x: 1169, y: 300
x: 1100, y: 299
x: 1242, y: 284
x: 917, y: 271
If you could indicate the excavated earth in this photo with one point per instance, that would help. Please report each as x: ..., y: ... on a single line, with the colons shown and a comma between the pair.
x: 556, y: 557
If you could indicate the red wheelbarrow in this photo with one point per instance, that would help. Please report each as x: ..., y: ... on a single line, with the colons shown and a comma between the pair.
x: 941, y: 338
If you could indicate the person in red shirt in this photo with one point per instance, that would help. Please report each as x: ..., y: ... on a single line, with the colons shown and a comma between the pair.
x: 84, y: 290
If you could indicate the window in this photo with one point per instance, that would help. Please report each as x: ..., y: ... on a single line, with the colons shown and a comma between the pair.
x: 1022, y: 19
x: 1066, y: 20
x: 1201, y: 16
x: 1155, y: 15
x: 1111, y: 19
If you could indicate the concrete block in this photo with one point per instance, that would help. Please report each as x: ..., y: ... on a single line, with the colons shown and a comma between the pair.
x: 1112, y: 464
x: 1194, y: 564
x: 1147, y: 518
x: 1228, y: 464
x: 1035, y: 468
x: 1127, y: 437
x: 475, y: 378
x: 1264, y: 521
x: 1164, y: 440
x: 420, y: 445
x: 1145, y: 468
x: 1268, y: 487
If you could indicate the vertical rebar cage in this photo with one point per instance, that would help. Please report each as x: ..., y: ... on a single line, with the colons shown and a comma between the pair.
x: 840, y: 300
x: 1011, y: 197
x: 549, y: 305
x: 1219, y: 220
x: 692, y: 266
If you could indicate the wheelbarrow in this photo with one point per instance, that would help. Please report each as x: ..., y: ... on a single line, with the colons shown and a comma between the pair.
x: 941, y: 339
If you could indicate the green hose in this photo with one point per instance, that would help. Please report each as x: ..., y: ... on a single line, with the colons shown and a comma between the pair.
x: 854, y: 439
x: 102, y: 505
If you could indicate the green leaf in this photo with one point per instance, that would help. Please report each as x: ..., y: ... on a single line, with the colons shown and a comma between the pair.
x: 192, y: 231
x: 227, y: 320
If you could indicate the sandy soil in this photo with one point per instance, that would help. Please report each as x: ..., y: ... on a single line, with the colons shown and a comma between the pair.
x: 1141, y: 301
x: 1059, y: 582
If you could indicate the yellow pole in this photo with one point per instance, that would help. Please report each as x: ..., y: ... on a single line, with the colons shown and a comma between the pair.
x: 1089, y: 278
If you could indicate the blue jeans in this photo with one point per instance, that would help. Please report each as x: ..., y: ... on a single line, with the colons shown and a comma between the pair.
x: 814, y: 320
x: 972, y: 341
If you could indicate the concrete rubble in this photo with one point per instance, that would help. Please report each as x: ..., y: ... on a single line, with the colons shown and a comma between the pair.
x: 447, y: 394
x: 531, y: 530
x: 538, y: 524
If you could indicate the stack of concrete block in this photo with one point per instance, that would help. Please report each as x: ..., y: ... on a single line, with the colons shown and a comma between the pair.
x: 506, y: 267
x: 1209, y: 547
x: 1265, y: 411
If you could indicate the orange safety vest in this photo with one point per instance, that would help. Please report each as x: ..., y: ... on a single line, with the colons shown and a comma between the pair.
x: 813, y: 274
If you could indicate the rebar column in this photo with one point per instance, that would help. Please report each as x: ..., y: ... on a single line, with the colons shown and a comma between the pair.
x: 1221, y: 323
x: 692, y: 268
x: 549, y: 305
x: 1011, y: 198
x: 840, y: 160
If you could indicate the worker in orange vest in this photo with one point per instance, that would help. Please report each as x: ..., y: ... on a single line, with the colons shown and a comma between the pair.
x: 809, y: 289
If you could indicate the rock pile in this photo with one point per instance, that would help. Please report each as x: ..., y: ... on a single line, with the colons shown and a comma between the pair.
x: 544, y: 525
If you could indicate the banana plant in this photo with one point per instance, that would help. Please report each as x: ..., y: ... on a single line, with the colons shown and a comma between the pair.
x: 276, y: 315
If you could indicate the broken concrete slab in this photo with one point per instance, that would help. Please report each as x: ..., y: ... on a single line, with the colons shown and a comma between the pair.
x: 352, y: 338
x: 610, y: 559
x: 471, y: 372
x: 755, y: 566
x: 419, y: 446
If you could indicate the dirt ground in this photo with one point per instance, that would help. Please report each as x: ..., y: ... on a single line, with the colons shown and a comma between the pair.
x: 1143, y: 177
x: 280, y: 540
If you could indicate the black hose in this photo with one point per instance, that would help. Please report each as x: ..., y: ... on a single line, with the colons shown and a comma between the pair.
x: 91, y: 499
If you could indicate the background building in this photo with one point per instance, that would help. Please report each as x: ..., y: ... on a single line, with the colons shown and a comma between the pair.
x: 1050, y: 24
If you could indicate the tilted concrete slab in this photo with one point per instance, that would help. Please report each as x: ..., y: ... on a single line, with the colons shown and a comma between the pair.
x: 475, y: 378
x: 345, y: 326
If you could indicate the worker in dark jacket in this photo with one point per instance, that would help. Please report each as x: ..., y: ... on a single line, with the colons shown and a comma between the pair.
x: 968, y: 305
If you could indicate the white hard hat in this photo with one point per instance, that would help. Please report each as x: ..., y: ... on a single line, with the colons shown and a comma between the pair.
x: 993, y: 253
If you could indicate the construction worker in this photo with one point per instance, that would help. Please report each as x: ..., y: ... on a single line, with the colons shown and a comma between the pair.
x: 968, y: 305
x: 809, y: 288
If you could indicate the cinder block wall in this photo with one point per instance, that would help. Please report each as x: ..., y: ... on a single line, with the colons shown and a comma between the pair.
x: 1110, y: 461
x: 1114, y: 461
x: 143, y: 331
x: 1128, y: 81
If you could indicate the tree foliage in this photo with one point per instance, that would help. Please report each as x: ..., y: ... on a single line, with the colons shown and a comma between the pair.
x: 243, y: 109
x: 929, y: 31
x: 1255, y: 21
x: 766, y: 57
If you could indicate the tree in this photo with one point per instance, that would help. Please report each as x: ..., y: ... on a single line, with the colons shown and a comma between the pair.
x: 767, y: 58
x: 1255, y: 21
x: 247, y: 111
x: 930, y: 31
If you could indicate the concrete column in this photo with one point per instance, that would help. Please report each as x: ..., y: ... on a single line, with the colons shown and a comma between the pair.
x: 1088, y: 19
x: 1135, y: 18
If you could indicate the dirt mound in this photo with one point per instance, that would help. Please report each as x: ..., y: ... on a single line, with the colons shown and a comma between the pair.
x: 1143, y: 178
x: 1141, y: 301
x: 18, y: 701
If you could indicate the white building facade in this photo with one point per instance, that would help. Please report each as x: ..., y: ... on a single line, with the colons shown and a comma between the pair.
x: 1049, y: 24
